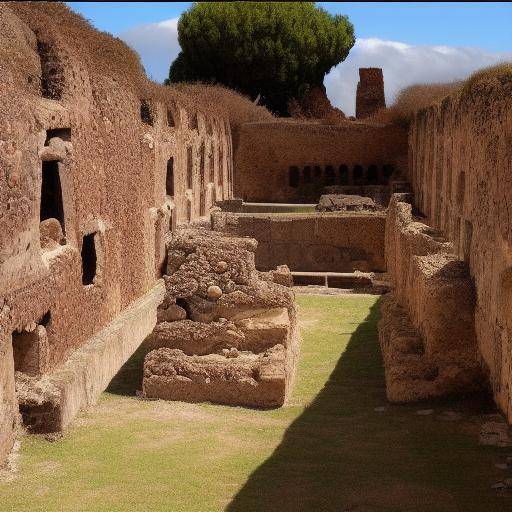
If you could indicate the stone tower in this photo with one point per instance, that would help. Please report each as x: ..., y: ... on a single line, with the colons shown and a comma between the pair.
x: 370, y: 92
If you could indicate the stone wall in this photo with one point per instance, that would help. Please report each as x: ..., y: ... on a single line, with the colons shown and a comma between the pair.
x: 427, y: 328
x: 370, y: 92
x: 98, y: 164
x: 293, y: 161
x: 311, y: 242
x: 460, y: 158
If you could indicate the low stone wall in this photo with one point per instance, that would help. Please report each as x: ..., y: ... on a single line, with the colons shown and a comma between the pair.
x: 49, y: 403
x: 427, y: 329
x: 312, y: 242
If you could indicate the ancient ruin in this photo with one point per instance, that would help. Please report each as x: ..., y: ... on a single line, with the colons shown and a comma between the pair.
x: 127, y: 218
x: 370, y: 92
x: 226, y: 333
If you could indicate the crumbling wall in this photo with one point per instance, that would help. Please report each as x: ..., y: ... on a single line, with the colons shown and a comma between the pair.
x: 460, y: 156
x: 226, y: 333
x: 427, y: 330
x: 85, y: 195
x: 293, y: 161
x: 370, y: 92
x: 342, y: 242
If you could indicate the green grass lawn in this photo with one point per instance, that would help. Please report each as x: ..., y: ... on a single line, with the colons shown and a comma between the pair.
x: 328, y: 450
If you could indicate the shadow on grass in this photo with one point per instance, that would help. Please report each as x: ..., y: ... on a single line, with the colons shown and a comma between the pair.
x: 341, y: 454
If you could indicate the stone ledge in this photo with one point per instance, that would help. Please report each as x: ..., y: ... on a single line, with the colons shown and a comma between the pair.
x: 48, y: 404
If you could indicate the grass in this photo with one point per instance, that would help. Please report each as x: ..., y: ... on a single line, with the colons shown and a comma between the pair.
x: 328, y: 450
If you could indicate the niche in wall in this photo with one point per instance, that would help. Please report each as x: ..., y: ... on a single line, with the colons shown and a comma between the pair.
x: 202, y: 203
x: 343, y: 174
x: 211, y: 165
x: 358, y: 173
x: 89, y: 259
x: 201, y: 161
x: 172, y: 115
x: 387, y: 171
x: 61, y: 133
x: 373, y: 174
x: 330, y: 175
x: 169, y: 178
x: 192, y: 121
x: 51, y: 193
x: 146, y: 113
x: 221, y: 166
x: 30, y: 348
x: 306, y: 174
x: 189, y: 167
x: 293, y: 176
x: 52, y: 73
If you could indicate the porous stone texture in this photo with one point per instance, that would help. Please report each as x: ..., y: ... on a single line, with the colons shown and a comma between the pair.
x: 239, y: 344
x: 252, y: 380
x: 370, y: 92
x: 49, y: 402
x: 343, y: 242
x: 292, y: 162
x: 461, y: 172
x: 87, y: 150
x: 346, y: 203
x: 379, y: 194
x: 426, y: 331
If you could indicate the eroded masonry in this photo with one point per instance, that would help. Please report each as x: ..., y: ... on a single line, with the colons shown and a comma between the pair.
x: 126, y: 217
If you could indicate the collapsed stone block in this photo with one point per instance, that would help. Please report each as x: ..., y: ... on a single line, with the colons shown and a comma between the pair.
x: 346, y: 203
x: 238, y: 344
x: 253, y: 380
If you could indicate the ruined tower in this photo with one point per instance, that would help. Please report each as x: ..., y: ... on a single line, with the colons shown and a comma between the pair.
x: 370, y: 92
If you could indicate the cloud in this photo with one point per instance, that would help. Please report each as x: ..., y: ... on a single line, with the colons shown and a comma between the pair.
x: 157, y: 44
x: 403, y: 65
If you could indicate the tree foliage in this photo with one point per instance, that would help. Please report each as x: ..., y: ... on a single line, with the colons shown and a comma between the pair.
x: 273, y: 49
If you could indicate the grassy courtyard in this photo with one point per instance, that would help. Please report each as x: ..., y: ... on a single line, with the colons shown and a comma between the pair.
x: 328, y: 450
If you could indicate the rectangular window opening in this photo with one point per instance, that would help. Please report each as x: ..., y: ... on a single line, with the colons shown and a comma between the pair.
x: 29, y: 347
x: 146, y: 112
x: 89, y: 259
x: 61, y: 133
x: 169, y: 178
x: 51, y: 193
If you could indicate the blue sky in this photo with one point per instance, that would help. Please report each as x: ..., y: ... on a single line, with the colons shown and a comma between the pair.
x: 411, y: 41
x: 486, y: 25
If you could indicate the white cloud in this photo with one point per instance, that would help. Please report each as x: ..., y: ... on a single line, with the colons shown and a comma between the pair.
x: 403, y: 65
x: 157, y: 44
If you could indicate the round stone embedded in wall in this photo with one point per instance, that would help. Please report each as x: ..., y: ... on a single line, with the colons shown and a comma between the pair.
x: 214, y: 292
x: 221, y: 267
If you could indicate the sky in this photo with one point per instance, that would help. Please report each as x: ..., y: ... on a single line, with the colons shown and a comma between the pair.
x: 412, y: 42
